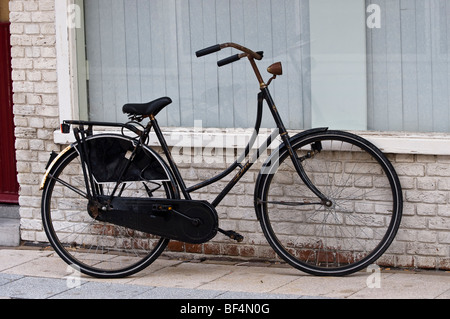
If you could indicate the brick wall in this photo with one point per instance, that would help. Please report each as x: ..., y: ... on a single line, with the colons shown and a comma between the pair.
x: 35, y: 102
x: 423, y: 240
x: 424, y: 237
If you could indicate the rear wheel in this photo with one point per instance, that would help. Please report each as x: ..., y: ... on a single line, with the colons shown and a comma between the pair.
x: 93, y: 247
x: 350, y: 231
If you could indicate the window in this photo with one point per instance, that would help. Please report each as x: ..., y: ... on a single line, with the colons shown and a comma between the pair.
x: 409, y: 67
x: 140, y: 50
x: 340, y: 71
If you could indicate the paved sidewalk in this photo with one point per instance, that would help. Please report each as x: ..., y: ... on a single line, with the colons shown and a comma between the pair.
x: 40, y: 274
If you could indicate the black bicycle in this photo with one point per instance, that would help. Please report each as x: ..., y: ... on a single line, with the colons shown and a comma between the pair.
x: 329, y: 202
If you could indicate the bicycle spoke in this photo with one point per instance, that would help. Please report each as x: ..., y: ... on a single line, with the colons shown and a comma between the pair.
x: 72, y: 188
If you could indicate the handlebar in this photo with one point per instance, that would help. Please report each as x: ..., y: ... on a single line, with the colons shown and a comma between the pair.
x: 246, y: 53
x: 229, y: 60
x: 208, y: 50
x: 252, y: 56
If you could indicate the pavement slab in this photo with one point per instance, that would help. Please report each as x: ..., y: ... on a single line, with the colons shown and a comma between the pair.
x: 41, y: 274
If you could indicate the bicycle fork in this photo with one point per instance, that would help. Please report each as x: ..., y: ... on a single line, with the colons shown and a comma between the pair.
x: 316, y: 148
x: 296, y: 161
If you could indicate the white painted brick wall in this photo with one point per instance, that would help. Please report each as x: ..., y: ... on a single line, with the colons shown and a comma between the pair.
x: 35, y: 102
x: 424, y: 236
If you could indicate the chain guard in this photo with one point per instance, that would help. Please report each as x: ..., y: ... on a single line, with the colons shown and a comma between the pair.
x: 189, y: 221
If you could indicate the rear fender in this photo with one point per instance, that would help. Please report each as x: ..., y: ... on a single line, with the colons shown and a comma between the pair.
x: 52, y: 161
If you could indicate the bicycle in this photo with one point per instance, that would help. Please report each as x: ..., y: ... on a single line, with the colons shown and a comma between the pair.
x: 328, y: 202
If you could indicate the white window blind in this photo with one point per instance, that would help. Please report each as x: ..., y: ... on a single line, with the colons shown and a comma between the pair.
x: 140, y: 50
x: 409, y: 67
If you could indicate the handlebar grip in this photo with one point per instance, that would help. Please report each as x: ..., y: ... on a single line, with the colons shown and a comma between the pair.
x: 229, y: 60
x: 207, y: 51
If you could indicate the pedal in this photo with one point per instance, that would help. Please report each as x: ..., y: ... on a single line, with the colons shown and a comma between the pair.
x: 232, y: 234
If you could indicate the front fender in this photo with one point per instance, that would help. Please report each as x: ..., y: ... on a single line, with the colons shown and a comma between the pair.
x: 273, y: 158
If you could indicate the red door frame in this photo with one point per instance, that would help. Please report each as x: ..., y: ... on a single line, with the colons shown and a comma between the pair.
x: 9, y: 187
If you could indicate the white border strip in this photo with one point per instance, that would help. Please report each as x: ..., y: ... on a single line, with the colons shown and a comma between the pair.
x: 394, y: 143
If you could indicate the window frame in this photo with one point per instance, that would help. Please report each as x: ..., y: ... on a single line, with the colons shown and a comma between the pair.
x: 67, y: 69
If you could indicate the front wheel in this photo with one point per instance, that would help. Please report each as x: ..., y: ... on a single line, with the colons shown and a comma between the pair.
x: 349, y: 231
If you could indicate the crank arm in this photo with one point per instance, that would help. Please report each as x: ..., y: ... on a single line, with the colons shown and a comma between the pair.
x: 194, y: 221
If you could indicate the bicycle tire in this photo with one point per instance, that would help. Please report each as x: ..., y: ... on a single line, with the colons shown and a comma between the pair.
x: 92, y: 247
x: 364, y: 216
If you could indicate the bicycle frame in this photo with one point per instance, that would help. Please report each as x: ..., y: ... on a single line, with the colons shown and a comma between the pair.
x: 243, y: 168
x: 264, y: 95
x: 281, y: 131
